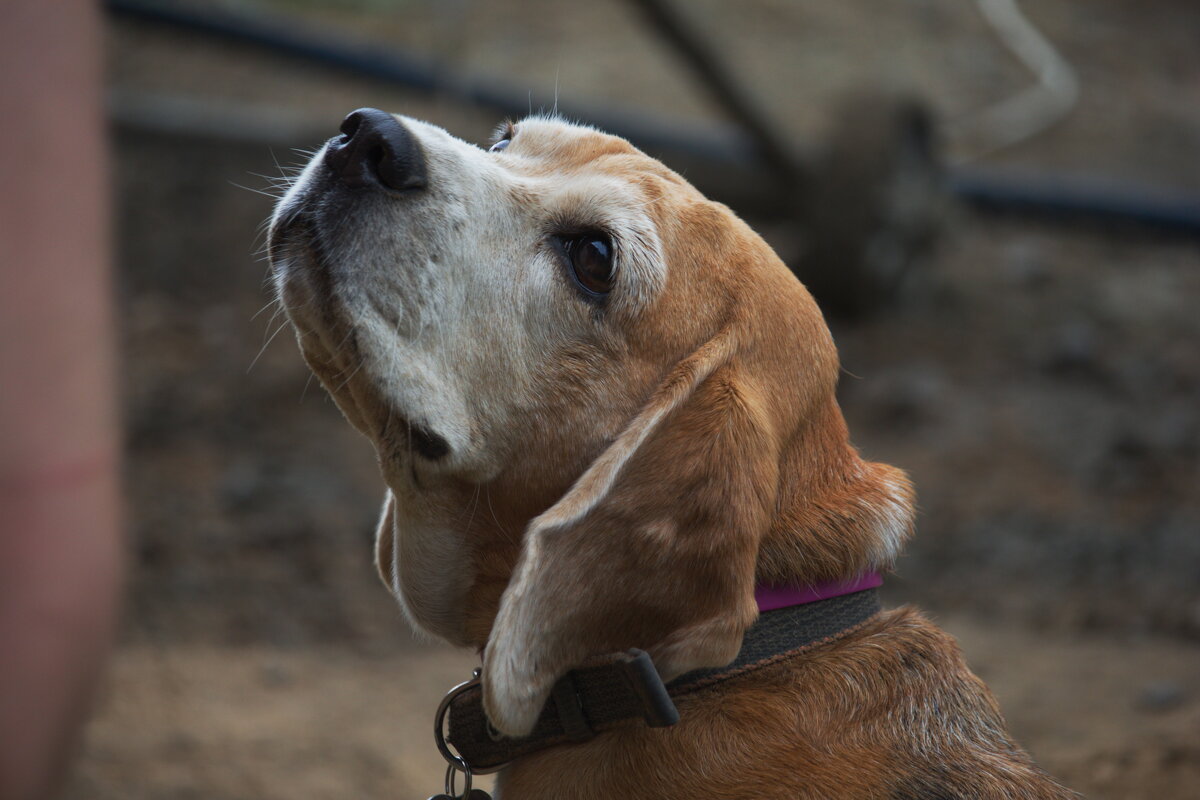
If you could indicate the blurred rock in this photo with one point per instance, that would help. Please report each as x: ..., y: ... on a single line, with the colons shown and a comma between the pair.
x: 1074, y: 351
x: 1025, y: 265
x: 1160, y: 696
x: 276, y: 676
x: 241, y: 484
x: 909, y: 395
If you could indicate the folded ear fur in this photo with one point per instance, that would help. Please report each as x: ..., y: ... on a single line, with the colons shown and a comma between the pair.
x: 674, y: 508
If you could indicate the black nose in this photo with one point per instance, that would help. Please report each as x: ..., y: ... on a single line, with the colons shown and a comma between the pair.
x: 376, y: 150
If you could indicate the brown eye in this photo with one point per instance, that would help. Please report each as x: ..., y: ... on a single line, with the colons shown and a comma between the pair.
x: 590, y: 259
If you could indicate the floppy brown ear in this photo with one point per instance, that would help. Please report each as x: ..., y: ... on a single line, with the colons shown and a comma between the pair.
x: 654, y: 546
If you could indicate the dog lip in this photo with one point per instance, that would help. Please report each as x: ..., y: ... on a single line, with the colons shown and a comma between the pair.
x: 422, y: 440
x: 429, y: 444
x: 295, y: 226
x: 297, y: 232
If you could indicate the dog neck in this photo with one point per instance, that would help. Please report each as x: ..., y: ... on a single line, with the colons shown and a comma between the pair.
x: 625, y: 688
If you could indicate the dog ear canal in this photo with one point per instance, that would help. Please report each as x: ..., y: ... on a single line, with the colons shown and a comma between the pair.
x: 653, y: 547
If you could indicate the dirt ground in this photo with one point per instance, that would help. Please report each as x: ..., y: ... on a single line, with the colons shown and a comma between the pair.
x: 1041, y: 384
x: 1112, y: 717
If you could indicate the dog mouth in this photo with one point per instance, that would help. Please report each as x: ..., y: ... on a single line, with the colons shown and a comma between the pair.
x: 420, y: 439
x: 329, y: 341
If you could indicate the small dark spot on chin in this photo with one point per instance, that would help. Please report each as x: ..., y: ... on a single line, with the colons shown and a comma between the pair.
x: 428, y: 444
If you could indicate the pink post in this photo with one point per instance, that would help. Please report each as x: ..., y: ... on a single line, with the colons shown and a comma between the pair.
x: 60, y: 547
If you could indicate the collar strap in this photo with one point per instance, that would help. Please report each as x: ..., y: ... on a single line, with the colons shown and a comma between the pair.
x: 627, y: 691
x: 770, y: 596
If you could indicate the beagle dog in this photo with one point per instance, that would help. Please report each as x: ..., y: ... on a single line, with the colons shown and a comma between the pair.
x: 604, y: 411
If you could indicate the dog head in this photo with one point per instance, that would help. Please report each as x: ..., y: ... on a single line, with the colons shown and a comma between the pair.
x: 602, y: 407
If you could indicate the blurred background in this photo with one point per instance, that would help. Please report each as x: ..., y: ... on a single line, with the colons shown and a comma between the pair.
x: 998, y: 213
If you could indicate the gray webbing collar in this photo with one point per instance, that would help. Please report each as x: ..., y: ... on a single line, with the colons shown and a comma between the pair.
x: 589, y: 700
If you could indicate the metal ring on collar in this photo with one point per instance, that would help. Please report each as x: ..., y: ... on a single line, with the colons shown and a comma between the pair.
x: 439, y: 720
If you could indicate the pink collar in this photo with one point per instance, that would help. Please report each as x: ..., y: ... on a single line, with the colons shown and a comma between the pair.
x: 772, y: 597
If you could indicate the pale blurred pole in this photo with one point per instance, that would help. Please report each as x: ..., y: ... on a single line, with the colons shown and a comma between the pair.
x: 60, y: 546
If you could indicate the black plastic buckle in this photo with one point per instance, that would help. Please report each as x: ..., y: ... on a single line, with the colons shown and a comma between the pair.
x: 657, y: 707
x: 570, y: 710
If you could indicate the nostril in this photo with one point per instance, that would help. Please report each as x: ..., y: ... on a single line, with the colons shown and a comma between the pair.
x: 350, y: 124
x: 376, y: 150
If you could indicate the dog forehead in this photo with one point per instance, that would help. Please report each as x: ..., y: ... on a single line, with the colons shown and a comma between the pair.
x: 578, y: 167
x: 550, y: 147
x: 564, y: 144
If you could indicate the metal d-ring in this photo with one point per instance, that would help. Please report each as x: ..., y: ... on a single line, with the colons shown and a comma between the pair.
x: 451, y: 769
x: 439, y: 737
x: 439, y: 720
x: 454, y: 762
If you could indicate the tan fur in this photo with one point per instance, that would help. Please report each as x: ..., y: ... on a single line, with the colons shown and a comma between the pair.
x: 621, y: 476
